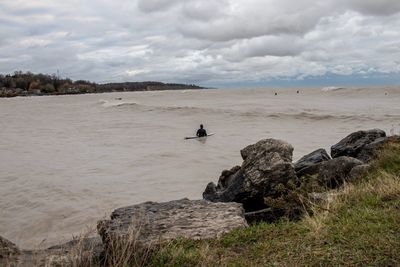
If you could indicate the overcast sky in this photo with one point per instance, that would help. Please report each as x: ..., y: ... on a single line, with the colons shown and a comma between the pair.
x: 207, y: 42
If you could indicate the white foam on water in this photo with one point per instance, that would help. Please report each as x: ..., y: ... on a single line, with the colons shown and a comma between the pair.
x: 117, y: 103
x: 332, y: 88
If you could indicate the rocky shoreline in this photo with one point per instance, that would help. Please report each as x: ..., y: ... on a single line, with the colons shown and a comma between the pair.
x: 267, y: 186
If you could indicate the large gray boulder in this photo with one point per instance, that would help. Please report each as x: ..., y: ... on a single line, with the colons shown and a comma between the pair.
x: 266, y: 163
x: 308, y: 165
x: 151, y: 222
x: 354, y: 144
x: 266, y: 166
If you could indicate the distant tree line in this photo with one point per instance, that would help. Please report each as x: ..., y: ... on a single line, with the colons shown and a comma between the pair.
x: 25, y: 84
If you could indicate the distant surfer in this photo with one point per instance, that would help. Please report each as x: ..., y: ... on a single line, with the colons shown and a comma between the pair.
x: 201, y: 132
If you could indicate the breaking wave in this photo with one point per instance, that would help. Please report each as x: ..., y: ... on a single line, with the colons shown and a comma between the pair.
x: 332, y: 88
x: 117, y: 103
x: 312, y: 116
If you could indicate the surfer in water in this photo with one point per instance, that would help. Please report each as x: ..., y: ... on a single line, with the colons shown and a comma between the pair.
x: 201, y: 132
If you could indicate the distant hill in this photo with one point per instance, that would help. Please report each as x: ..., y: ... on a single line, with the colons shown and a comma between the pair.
x: 28, y: 84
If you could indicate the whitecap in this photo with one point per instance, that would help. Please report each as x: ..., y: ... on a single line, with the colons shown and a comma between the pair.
x: 332, y: 88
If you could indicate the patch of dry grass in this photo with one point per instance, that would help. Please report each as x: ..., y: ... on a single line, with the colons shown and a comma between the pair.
x: 127, y: 250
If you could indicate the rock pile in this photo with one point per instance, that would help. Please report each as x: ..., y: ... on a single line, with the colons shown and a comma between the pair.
x: 269, y: 185
x: 307, y: 165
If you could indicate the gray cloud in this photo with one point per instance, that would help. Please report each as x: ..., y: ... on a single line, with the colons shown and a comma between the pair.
x: 208, y: 41
x: 374, y: 7
x: 256, y: 18
x: 205, y: 10
x: 155, y: 5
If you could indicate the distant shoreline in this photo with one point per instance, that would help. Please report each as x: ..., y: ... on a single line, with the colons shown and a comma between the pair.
x: 11, y: 94
x: 29, y: 84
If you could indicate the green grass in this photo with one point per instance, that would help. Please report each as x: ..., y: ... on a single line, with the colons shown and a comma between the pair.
x: 361, y: 227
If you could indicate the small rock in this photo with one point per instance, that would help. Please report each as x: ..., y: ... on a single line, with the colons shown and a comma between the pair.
x: 335, y: 172
x: 359, y: 171
x: 87, y: 244
x: 308, y: 165
x: 260, y: 215
x: 226, y: 176
x: 369, y: 151
x: 7, y: 248
x: 229, y: 189
x: 54, y: 260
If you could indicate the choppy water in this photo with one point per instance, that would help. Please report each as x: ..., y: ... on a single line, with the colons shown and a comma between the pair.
x: 67, y: 161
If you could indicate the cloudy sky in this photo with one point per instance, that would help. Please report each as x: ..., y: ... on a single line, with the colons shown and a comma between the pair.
x: 208, y: 42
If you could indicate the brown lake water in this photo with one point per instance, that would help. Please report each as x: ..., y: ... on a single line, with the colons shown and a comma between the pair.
x: 68, y: 161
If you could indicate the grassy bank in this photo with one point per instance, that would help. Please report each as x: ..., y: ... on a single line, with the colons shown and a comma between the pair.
x: 360, y: 227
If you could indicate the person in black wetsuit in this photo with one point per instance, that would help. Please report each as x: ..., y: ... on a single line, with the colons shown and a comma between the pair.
x: 201, y: 132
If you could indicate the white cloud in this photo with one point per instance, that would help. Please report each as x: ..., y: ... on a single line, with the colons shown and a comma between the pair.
x: 133, y: 72
x: 200, y: 41
x: 265, y: 46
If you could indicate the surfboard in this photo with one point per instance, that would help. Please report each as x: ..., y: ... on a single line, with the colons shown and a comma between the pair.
x: 196, y: 137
